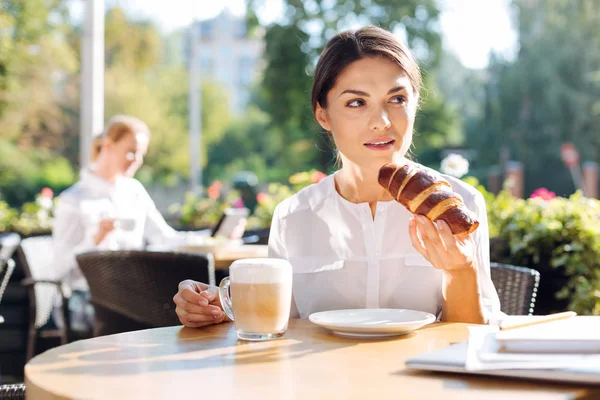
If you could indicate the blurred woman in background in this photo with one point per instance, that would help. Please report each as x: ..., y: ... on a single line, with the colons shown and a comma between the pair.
x: 107, y: 209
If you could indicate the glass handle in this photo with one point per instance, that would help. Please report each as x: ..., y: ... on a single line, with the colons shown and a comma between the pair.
x: 224, y: 297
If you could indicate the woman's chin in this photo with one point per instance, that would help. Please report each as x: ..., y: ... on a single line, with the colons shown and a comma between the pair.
x: 396, y: 157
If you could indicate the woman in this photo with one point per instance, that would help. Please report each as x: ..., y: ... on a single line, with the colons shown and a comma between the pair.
x: 351, y: 245
x: 108, y: 209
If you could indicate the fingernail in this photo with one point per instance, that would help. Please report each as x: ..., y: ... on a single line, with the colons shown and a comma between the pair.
x: 440, y: 225
x: 216, y: 313
x: 421, y: 219
x: 411, y: 222
x: 203, y: 302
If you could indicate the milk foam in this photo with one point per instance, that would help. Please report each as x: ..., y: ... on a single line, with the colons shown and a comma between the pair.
x: 260, y: 270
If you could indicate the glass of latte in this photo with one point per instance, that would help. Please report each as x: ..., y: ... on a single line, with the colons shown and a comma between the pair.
x: 257, y: 296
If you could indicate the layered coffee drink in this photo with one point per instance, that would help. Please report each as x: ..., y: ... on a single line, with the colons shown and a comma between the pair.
x: 261, y: 294
x: 261, y: 307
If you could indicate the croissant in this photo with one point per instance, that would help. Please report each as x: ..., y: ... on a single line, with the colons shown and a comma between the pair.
x: 423, y: 191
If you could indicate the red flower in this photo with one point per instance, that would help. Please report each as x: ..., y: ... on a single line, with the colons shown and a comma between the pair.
x: 318, y: 176
x: 214, y: 190
x: 47, y: 192
x: 543, y: 194
x: 262, y: 198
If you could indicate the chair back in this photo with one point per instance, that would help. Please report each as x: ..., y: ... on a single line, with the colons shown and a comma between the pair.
x: 516, y: 287
x: 134, y: 289
x: 36, y: 256
x: 8, y: 244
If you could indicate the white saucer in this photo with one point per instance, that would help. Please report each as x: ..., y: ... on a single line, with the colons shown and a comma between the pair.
x: 372, y: 323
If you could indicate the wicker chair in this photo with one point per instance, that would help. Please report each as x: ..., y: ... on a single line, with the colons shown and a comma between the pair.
x: 12, y: 392
x: 8, y: 244
x: 36, y: 255
x: 134, y: 290
x: 516, y: 287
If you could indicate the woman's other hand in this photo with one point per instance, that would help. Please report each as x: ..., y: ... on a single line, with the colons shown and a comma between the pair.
x: 198, y: 304
x: 105, y: 227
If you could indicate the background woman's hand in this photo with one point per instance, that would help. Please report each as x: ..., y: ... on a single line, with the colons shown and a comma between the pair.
x: 439, y: 246
x: 198, y: 304
x: 105, y: 227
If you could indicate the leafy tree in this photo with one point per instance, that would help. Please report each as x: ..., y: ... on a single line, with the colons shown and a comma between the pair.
x: 35, y: 61
x: 134, y: 45
x: 549, y: 94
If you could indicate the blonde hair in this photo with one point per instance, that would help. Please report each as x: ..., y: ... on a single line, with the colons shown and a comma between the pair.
x: 116, y: 129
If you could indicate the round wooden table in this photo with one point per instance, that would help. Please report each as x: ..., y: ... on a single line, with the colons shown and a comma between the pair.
x: 310, y: 363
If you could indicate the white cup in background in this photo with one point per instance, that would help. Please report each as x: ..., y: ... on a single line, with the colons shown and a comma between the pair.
x: 125, y: 224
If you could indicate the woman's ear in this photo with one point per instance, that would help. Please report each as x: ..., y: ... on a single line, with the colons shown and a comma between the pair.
x: 322, y: 119
x: 107, y: 144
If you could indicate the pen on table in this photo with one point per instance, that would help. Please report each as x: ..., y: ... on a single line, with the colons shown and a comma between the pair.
x: 536, y: 321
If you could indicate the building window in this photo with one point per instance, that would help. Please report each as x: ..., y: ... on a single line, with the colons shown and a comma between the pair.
x: 207, y: 30
x: 240, y: 28
x: 206, y: 66
x: 245, y: 71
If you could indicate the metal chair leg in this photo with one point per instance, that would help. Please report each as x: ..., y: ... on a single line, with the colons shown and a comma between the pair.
x: 12, y: 392
x: 31, y: 341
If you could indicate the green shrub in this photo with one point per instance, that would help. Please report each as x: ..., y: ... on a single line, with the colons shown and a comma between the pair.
x: 7, y: 216
x: 559, y: 237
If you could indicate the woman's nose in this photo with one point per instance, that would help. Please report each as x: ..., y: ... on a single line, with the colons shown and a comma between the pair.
x: 380, y: 120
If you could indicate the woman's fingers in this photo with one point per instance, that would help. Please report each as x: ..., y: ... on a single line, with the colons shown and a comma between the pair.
x: 189, y: 317
x: 199, y: 324
x: 450, y: 241
x: 190, y: 292
x: 430, y: 234
x: 194, y: 308
x: 432, y: 241
x: 414, y: 237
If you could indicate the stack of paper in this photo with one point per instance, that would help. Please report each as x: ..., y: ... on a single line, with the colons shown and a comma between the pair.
x: 558, y: 344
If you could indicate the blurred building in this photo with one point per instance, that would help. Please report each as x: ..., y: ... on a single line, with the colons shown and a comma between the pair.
x: 228, y: 55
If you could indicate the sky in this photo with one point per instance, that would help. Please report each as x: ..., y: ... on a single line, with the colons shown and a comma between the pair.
x: 470, y: 28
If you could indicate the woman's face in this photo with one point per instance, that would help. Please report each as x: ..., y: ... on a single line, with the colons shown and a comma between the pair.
x: 370, y: 112
x: 127, y: 155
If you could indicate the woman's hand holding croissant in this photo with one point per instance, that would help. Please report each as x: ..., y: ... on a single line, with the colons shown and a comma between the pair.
x: 440, y: 247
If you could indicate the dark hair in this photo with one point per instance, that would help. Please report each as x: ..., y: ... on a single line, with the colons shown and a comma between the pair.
x: 116, y: 129
x: 350, y: 46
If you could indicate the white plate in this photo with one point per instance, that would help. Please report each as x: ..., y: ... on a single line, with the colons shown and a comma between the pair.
x: 372, y: 323
x: 210, y: 246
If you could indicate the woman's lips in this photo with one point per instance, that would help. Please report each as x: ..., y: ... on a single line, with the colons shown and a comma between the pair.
x: 380, y: 144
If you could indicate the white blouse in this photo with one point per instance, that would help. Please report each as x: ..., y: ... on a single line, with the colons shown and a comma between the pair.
x: 80, y: 209
x: 343, y: 258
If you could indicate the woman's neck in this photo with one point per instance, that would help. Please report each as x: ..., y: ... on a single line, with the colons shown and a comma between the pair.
x: 101, y: 169
x: 360, y: 186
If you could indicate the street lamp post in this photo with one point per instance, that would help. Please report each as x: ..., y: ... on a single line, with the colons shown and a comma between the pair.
x: 195, y: 113
x: 92, y: 78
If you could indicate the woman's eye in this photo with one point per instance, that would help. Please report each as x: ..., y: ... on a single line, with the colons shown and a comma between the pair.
x: 399, y: 99
x: 355, y: 103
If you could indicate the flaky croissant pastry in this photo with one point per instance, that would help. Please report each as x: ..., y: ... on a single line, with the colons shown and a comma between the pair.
x: 423, y: 191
